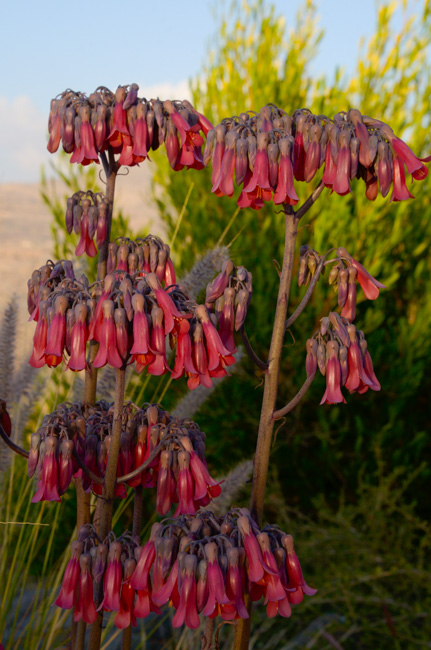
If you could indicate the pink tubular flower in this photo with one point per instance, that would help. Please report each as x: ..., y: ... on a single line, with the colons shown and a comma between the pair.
x: 79, y: 338
x: 362, y: 134
x: 341, y: 184
x: 56, y: 333
x: 223, y: 184
x: 165, y: 302
x: 164, y: 483
x: 139, y: 579
x: 183, y: 357
x: 370, y: 286
x: 218, y: 355
x: 294, y: 571
x: 202, y: 590
x: 163, y: 594
x: 47, y: 487
x: 216, y: 288
x: 204, y: 484
x: 108, y: 352
x: 312, y: 158
x: 220, y: 132
x: 227, y: 320
x: 216, y: 590
x: 159, y: 366
x: 285, y: 192
x: 67, y: 596
x: 96, y: 321
x: 414, y: 165
x: 200, y: 362
x: 400, y: 191
x: 274, y: 590
x: 85, y: 608
x: 112, y: 580
x: 65, y: 466
x: 349, y: 307
x: 357, y: 377
x: 37, y: 359
x: 235, y: 583
x: 299, y: 150
x: 86, y: 243
x: 187, y: 612
x: 121, y: 331
x: 141, y: 332
x: 126, y: 616
x: 333, y: 394
x: 55, y: 134
x: 258, y: 188
x: 185, y: 486
x: 368, y: 366
x: 255, y: 569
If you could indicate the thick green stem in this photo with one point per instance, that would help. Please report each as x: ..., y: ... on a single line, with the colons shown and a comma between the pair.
x: 266, y: 426
x: 107, y: 499
x: 90, y: 386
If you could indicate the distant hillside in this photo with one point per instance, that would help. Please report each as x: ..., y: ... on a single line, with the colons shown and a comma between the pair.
x: 25, y: 232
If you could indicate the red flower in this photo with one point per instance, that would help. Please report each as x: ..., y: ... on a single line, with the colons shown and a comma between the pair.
x: 216, y: 590
x: 47, y: 487
x: 85, y: 608
x: 67, y: 596
x: 112, y: 580
x: 108, y: 352
x: 187, y: 612
x: 370, y: 285
x: 333, y: 394
x: 126, y: 616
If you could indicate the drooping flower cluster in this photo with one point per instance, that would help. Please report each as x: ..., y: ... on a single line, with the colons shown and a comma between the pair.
x: 87, y: 213
x: 269, y: 150
x: 340, y: 352
x: 78, y: 434
x: 229, y: 296
x: 199, y: 565
x: 343, y: 276
x: 127, y: 124
x: 130, y: 314
x: 92, y: 561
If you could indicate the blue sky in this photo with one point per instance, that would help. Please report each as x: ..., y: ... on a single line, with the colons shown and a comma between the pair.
x: 50, y: 45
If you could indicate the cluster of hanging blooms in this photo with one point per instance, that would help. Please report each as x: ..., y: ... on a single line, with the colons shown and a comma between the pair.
x: 127, y: 125
x: 343, y: 276
x: 111, y: 561
x: 338, y: 349
x: 269, y: 150
x: 228, y: 297
x: 76, y: 435
x: 340, y: 352
x: 87, y: 214
x: 129, y: 313
x: 199, y: 565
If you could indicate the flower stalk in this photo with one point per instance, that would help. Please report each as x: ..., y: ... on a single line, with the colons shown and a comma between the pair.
x: 107, y: 499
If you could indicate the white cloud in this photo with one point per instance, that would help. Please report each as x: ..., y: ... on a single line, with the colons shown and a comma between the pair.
x: 23, y: 137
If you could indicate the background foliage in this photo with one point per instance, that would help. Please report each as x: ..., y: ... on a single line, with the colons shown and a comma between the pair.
x: 355, y: 478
